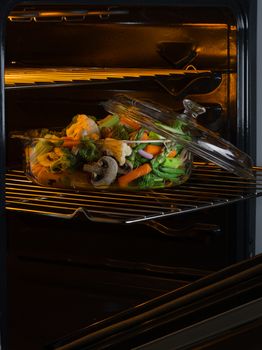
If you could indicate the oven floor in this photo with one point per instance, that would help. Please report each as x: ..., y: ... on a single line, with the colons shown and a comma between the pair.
x: 47, y: 301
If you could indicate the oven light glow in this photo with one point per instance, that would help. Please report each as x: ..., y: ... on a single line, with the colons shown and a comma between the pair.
x: 49, y: 75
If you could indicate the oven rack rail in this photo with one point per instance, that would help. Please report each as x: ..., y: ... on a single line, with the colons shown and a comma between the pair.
x: 209, y: 186
x: 65, y: 15
x: 18, y: 78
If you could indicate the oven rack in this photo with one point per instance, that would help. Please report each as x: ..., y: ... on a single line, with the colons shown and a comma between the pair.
x: 17, y: 78
x: 65, y: 15
x: 209, y: 186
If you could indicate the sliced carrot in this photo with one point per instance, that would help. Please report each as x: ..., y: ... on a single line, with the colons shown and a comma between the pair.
x: 134, y: 174
x: 133, y: 134
x: 130, y: 122
x: 69, y: 142
x: 145, y: 136
x: 172, y: 154
x: 153, y: 149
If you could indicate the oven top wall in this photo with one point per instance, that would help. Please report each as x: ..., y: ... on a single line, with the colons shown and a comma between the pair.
x: 159, y: 37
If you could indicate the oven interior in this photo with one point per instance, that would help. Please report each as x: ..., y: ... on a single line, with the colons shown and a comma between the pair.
x: 66, y: 272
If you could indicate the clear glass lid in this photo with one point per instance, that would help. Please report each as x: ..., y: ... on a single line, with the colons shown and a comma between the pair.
x: 183, y: 128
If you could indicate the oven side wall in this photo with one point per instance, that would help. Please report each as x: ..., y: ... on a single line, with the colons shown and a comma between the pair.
x: 259, y: 123
x: 3, y: 235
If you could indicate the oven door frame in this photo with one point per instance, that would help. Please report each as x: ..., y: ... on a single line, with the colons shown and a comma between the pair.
x: 229, y: 301
x: 249, y: 105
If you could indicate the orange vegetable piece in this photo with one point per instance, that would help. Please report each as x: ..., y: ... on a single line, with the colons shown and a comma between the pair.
x: 130, y: 122
x: 153, y: 149
x: 69, y: 142
x: 145, y: 136
x: 142, y: 170
x: 172, y: 154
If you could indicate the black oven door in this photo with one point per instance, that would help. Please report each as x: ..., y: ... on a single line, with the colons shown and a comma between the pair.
x: 223, y: 310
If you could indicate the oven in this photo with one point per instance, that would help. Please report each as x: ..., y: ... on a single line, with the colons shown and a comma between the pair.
x: 147, y: 269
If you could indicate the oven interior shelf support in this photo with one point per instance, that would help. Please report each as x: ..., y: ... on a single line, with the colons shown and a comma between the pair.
x: 22, y: 78
x: 209, y: 186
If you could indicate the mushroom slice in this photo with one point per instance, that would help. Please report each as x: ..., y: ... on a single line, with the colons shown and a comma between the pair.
x: 94, y: 168
x: 104, y: 171
x: 126, y: 168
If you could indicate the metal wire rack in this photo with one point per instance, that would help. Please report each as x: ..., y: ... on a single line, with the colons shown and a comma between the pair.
x: 79, y: 15
x: 16, y: 78
x: 209, y: 186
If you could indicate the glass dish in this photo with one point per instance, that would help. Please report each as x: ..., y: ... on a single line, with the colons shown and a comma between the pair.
x: 139, y: 145
x: 144, y: 161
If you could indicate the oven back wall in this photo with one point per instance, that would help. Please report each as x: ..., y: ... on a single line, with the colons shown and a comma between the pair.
x: 149, y: 38
x: 141, y: 37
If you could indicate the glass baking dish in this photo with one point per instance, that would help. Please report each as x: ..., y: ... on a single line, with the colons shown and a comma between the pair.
x: 138, y: 145
x: 91, y: 154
